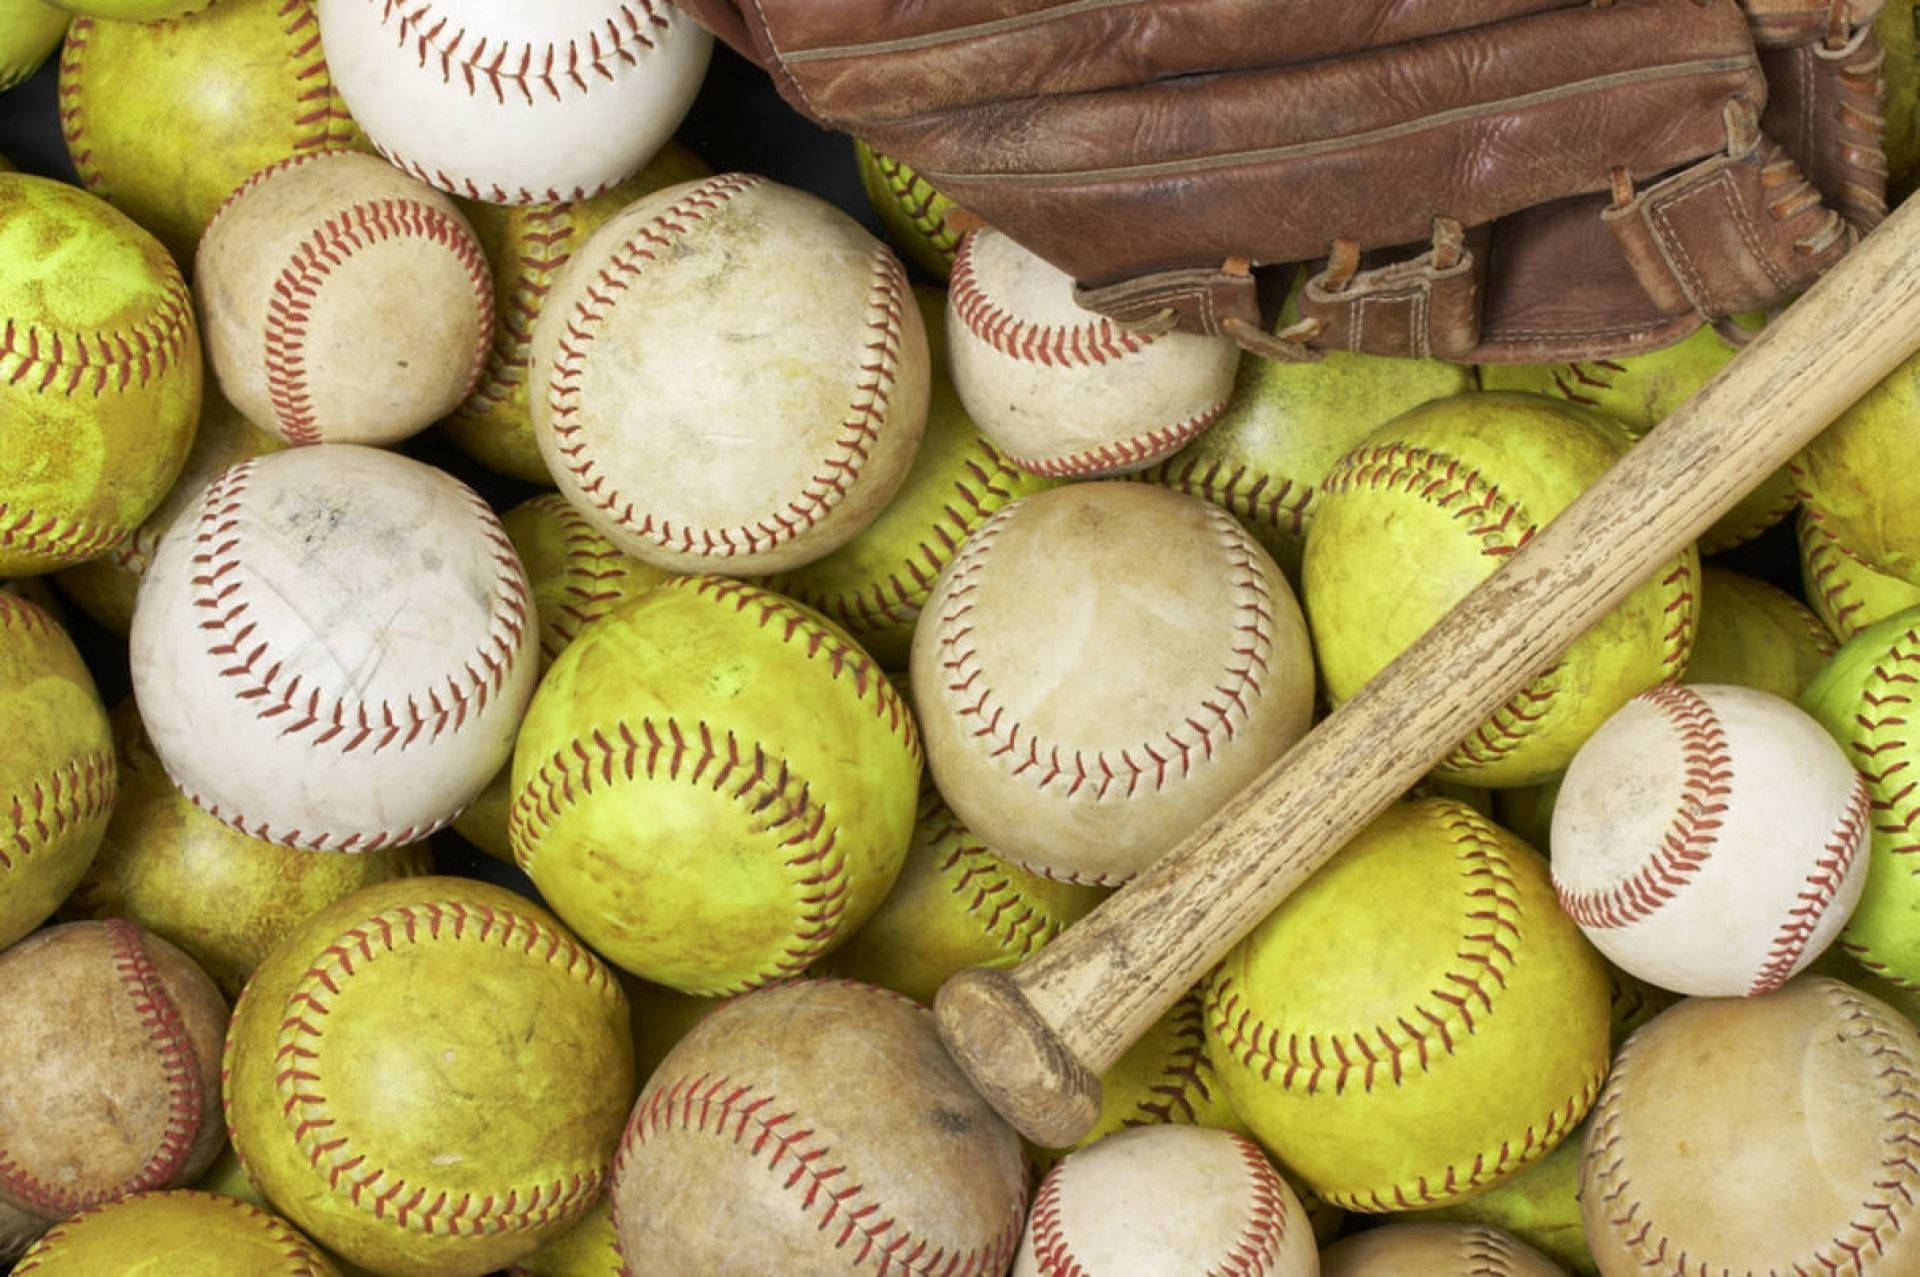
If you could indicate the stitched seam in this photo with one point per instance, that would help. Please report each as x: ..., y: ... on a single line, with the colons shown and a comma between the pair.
x: 1487, y: 1253
x: 955, y: 35
x: 542, y: 244
x: 801, y: 1162
x: 1097, y: 775
x: 300, y: 1258
x: 73, y: 124
x: 440, y: 179
x: 916, y: 198
x: 418, y: 1207
x: 1137, y: 450
x: 776, y: 803
x: 1432, y: 1026
x: 1880, y: 749
x: 526, y: 73
x: 45, y: 360
x: 1823, y: 882
x: 25, y: 530
x: 1867, y: 1235
x: 1096, y: 342
x: 332, y: 245
x: 74, y: 794
x: 1272, y: 501
x: 1186, y: 1074
x: 596, y: 579
x: 845, y: 457
x: 321, y: 120
x: 1832, y: 570
x: 1012, y: 920
x: 1693, y: 831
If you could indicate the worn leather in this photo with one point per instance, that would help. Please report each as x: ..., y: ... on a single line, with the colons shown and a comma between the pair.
x: 1692, y: 157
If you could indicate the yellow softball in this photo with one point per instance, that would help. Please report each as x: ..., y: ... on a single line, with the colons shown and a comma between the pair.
x: 165, y: 119
x: 1419, y: 1021
x: 173, y: 1233
x: 1846, y: 592
x: 918, y: 219
x: 1430, y: 505
x: 58, y: 777
x: 1639, y: 391
x: 528, y: 244
x: 29, y: 31
x: 1540, y: 1206
x: 429, y: 1077
x: 714, y: 785
x: 1856, y: 474
x: 954, y: 905
x: 877, y: 583
x: 99, y: 375
x: 222, y: 897
x: 1752, y: 634
x: 1899, y: 37
x: 591, y: 1248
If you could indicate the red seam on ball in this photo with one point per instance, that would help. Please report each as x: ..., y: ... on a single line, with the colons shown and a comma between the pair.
x: 1811, y: 902
x: 1136, y: 450
x: 1269, y: 500
x: 525, y: 72
x: 1098, y: 341
x: 79, y: 790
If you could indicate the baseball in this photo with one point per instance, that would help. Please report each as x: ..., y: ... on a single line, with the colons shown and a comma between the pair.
x: 1064, y: 391
x: 58, y: 776
x: 29, y: 32
x: 512, y: 103
x: 1099, y: 668
x: 99, y: 375
x: 730, y: 375
x: 1360, y: 1028
x: 109, y: 1068
x: 1166, y: 1201
x: 877, y: 584
x: 714, y: 786
x: 1804, y: 1098
x: 333, y: 648
x: 1845, y: 591
x: 816, y: 1127
x: 163, y: 119
x: 1434, y: 1250
x: 1432, y: 504
x: 343, y: 302
x: 1756, y: 635
x: 428, y: 1077
x: 1710, y: 839
x: 176, y: 1232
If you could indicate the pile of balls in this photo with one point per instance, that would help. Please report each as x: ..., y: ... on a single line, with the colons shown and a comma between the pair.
x: 885, y: 612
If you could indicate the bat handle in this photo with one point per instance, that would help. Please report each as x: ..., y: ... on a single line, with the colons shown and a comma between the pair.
x: 1010, y: 1050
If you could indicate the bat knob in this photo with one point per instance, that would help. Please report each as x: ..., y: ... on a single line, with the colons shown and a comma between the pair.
x: 1015, y: 1059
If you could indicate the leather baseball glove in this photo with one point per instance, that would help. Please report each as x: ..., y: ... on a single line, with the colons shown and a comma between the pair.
x: 1473, y: 180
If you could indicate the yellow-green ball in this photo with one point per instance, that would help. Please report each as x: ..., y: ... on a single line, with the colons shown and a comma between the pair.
x: 1899, y: 37
x: 135, y: 10
x: 105, y: 586
x: 1285, y: 426
x: 1540, y: 1206
x: 591, y: 1248
x: 918, y: 219
x: 173, y: 1233
x: 528, y: 244
x: 1846, y: 592
x: 222, y: 897
x: 876, y: 584
x: 1419, y: 1021
x: 1754, y: 635
x: 1857, y: 474
x: 29, y: 31
x: 1432, y: 504
x: 437, y: 1044
x: 954, y: 905
x: 714, y: 785
x: 1639, y: 391
x: 1864, y: 698
x: 165, y: 118
x: 100, y: 375
x: 58, y: 777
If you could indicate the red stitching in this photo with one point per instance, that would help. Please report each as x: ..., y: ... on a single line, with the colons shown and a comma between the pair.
x: 598, y: 577
x: 1869, y: 1233
x: 29, y: 531
x: 1823, y: 883
x: 1490, y: 1252
x: 1681, y: 614
x: 23, y: 614
x: 330, y: 1151
x: 1273, y: 502
x: 72, y: 125
x: 542, y: 246
x: 77, y: 792
x: 302, y: 1259
x: 775, y: 802
x: 1829, y: 569
x: 1693, y: 832
x: 1445, y: 482
x: 1145, y: 767
x: 916, y: 198
x: 842, y: 1209
x: 46, y: 360
x: 1186, y: 1073
x: 1567, y: 376
x: 1098, y: 341
x: 507, y: 70
x: 440, y: 179
x: 1882, y: 758
x: 1015, y: 922
x: 329, y: 248
x: 1391, y: 1052
x: 867, y: 412
x: 1134, y: 451
x: 167, y: 1032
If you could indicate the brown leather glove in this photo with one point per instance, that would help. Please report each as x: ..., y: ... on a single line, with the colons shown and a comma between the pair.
x: 1474, y: 180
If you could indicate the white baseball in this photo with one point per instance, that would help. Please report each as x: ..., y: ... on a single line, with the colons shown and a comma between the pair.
x: 1064, y: 391
x: 511, y: 102
x: 730, y: 376
x: 1707, y: 839
x: 332, y: 649
x: 342, y: 301
x: 1434, y: 1250
x: 1099, y: 669
x: 1166, y: 1201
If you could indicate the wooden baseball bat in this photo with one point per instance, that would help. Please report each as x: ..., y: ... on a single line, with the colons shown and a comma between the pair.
x: 1035, y: 1040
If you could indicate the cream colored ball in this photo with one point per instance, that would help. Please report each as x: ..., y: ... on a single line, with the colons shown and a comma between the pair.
x: 1434, y: 1250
